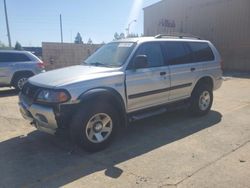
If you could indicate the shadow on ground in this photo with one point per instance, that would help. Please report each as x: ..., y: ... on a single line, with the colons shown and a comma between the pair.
x: 41, y: 160
x: 8, y: 92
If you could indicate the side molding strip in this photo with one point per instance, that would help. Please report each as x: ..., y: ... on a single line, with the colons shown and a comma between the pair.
x: 138, y: 95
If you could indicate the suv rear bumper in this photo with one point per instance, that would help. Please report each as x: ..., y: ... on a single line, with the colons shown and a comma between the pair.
x: 218, y: 83
x: 43, y: 118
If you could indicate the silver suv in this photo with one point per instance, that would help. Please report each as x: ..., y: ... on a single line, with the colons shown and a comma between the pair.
x: 17, y: 66
x: 123, y: 81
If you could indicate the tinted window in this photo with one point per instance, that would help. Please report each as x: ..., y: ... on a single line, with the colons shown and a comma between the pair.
x: 201, y: 51
x: 177, y: 53
x: 12, y: 57
x: 153, y: 52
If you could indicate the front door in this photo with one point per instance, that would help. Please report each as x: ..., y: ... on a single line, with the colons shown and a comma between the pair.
x: 147, y: 87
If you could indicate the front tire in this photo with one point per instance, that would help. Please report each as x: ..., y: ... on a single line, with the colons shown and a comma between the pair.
x: 94, y: 126
x: 201, y: 100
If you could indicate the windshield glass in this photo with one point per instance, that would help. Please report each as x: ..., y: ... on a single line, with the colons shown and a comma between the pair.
x: 111, y: 55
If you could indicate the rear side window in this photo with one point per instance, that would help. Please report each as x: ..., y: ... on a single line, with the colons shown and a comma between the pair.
x: 201, y: 51
x: 177, y: 53
x: 13, y: 57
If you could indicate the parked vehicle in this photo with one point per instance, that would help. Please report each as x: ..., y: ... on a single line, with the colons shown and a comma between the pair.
x: 17, y: 66
x: 123, y: 81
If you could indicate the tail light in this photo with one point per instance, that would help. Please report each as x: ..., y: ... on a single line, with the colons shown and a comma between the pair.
x: 41, y: 65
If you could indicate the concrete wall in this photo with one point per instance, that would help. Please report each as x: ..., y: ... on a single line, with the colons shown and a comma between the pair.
x: 57, y: 55
x: 224, y: 22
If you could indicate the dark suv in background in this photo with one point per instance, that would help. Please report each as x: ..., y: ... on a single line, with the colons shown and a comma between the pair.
x: 17, y: 66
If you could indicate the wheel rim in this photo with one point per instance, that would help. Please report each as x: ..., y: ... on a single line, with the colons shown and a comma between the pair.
x: 99, y: 128
x: 204, y: 101
x: 21, y: 82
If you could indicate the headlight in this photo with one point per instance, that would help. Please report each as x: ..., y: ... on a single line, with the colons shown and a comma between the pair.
x: 53, y: 96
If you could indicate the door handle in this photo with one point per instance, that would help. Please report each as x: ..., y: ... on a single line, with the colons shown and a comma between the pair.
x: 163, y: 73
x: 193, y: 69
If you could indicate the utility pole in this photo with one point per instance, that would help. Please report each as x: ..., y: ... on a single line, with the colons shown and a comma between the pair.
x: 61, y: 28
x: 7, y: 23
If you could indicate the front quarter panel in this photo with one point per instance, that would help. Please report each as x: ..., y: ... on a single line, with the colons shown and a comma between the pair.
x: 115, y: 82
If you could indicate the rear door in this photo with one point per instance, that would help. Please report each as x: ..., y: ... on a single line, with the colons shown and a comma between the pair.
x: 203, y: 53
x: 149, y: 86
x: 183, y: 69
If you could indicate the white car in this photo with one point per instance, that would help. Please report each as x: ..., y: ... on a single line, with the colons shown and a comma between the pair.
x: 17, y: 66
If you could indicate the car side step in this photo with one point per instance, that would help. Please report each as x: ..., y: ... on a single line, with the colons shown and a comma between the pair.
x: 184, y: 104
x: 148, y: 114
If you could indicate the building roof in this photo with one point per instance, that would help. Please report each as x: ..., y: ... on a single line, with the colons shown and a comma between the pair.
x: 153, y: 4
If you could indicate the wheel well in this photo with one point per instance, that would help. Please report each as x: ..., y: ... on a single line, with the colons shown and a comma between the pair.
x: 106, y: 95
x: 205, y: 80
x: 16, y: 74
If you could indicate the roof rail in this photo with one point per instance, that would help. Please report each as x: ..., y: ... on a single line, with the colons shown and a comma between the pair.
x: 177, y: 36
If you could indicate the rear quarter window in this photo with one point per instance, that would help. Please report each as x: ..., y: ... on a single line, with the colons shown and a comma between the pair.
x: 13, y: 57
x: 201, y: 51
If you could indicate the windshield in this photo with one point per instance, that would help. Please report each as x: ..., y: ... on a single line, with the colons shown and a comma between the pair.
x: 111, y: 55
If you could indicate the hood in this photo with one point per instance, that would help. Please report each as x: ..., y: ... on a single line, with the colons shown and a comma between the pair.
x: 70, y: 75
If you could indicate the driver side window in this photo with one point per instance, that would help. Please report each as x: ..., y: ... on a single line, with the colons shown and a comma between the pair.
x: 153, y: 52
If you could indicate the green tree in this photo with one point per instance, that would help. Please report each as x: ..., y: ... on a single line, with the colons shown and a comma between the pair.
x: 116, y: 36
x: 119, y: 36
x: 132, y: 35
x: 3, y: 46
x: 122, y: 36
x: 78, y: 39
x: 18, y: 46
x: 90, y: 41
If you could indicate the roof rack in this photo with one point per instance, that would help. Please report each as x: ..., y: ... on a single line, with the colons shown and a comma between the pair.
x: 177, y: 36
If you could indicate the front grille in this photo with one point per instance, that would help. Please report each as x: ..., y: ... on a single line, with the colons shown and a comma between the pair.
x: 29, y: 92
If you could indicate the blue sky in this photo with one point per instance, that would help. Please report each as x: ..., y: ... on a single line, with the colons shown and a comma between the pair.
x: 32, y: 22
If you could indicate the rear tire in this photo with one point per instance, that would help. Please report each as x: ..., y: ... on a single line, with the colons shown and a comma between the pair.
x: 201, y: 100
x: 20, y: 80
x: 94, y: 126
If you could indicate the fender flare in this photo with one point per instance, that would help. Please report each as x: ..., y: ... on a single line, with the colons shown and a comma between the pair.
x: 26, y: 72
x: 110, y: 94
x: 205, y: 78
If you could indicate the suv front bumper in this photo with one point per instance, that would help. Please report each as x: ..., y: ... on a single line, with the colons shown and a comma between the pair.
x: 43, y: 118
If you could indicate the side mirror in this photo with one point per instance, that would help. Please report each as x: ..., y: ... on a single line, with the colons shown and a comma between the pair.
x: 140, y: 61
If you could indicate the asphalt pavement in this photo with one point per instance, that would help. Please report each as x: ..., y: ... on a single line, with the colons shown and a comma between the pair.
x: 170, y: 150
